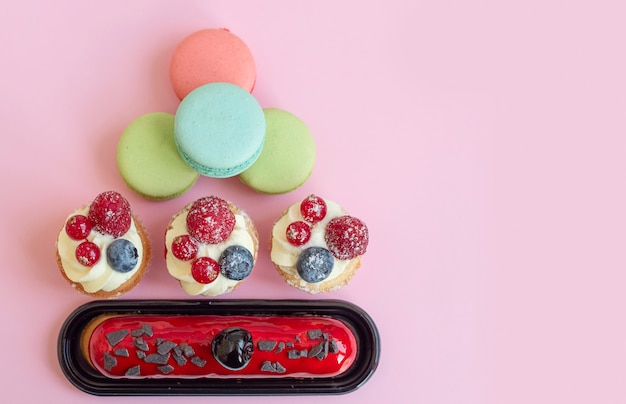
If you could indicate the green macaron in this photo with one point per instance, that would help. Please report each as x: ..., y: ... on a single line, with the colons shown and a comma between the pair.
x: 287, y: 158
x: 148, y: 160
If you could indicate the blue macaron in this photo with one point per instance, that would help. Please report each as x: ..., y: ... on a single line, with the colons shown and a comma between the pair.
x: 219, y: 129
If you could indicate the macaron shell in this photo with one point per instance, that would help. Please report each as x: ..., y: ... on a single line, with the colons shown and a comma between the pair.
x: 288, y: 155
x: 210, y: 56
x: 148, y: 160
x: 219, y: 129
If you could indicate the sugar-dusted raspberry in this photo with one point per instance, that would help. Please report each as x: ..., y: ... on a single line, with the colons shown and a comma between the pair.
x: 184, y: 247
x: 205, y: 270
x: 87, y: 253
x: 346, y: 237
x: 210, y: 220
x: 110, y: 213
x: 298, y: 233
x: 78, y: 227
x: 313, y: 209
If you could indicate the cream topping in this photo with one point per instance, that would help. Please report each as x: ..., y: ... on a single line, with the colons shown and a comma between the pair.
x: 181, y: 270
x: 100, y: 276
x: 285, y: 254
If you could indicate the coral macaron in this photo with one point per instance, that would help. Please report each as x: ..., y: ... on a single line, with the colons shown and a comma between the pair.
x: 211, y: 56
x: 219, y: 129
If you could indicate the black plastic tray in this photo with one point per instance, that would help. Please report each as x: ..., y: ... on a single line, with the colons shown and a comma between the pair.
x: 82, y: 375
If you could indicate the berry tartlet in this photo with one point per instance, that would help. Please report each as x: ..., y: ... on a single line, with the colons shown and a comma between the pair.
x: 316, y: 246
x: 102, y: 249
x: 211, y: 246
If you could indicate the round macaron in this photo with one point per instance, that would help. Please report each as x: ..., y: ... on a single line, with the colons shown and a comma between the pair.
x: 287, y: 158
x: 148, y: 160
x: 210, y: 56
x: 219, y: 129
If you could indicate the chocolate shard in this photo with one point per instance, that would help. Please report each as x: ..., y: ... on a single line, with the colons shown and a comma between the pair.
x: 294, y: 354
x: 141, y: 354
x: 281, y: 346
x: 109, y: 361
x: 180, y: 359
x: 298, y: 338
x: 267, y: 366
x: 140, y: 344
x: 147, y: 329
x: 157, y: 358
x: 333, y: 347
x: 198, y: 361
x: 121, y: 352
x: 187, y: 349
x: 316, y: 350
x: 165, y: 369
x: 159, y: 341
x: 266, y: 345
x: 165, y: 346
x: 315, y: 334
x: 115, y: 337
x: 178, y: 351
x: 137, y: 332
x: 133, y: 371
x: 280, y: 368
x: 290, y: 344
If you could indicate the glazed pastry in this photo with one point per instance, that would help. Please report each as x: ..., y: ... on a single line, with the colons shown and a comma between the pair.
x: 211, y: 56
x: 316, y: 246
x: 287, y: 158
x: 218, y: 346
x: 219, y: 130
x: 148, y: 160
x: 211, y: 246
x: 103, y: 249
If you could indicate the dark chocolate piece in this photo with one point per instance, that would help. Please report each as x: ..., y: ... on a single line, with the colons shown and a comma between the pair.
x: 315, y: 334
x: 147, y: 329
x: 332, y: 346
x: 266, y: 345
x: 290, y: 344
x: 109, y: 361
x: 267, y: 366
x: 280, y: 368
x: 180, y: 359
x: 198, y: 361
x: 121, y: 352
x: 281, y: 346
x: 141, y: 344
x: 187, y: 350
x: 165, y: 369
x: 316, y: 350
x: 165, y: 346
x: 115, y: 337
x: 157, y: 358
x: 141, y: 354
x: 133, y: 371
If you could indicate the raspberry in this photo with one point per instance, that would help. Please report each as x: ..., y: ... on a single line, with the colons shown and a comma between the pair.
x: 346, y: 237
x: 184, y: 247
x: 110, y: 213
x: 78, y: 227
x: 313, y: 209
x: 205, y: 270
x: 298, y: 233
x: 210, y: 220
x: 87, y: 253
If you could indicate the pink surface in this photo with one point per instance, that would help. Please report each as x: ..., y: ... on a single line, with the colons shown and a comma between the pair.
x: 482, y: 142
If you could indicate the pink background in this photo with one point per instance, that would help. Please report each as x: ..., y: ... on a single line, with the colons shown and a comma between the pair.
x: 481, y: 141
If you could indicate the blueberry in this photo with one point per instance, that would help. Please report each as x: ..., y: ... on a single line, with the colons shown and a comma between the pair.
x: 236, y: 262
x: 233, y: 348
x: 122, y: 255
x: 315, y: 264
